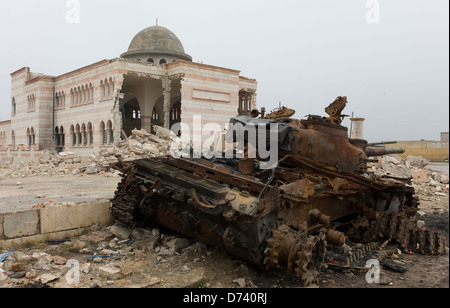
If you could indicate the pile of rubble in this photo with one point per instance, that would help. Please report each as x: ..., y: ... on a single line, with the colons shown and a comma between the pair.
x: 99, y: 258
x: 425, y: 181
x: 140, y: 144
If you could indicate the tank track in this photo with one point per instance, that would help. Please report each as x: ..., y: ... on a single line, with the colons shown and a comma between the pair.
x: 402, y: 229
x: 125, y: 204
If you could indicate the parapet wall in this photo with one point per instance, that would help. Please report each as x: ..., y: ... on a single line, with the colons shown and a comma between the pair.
x: 22, y: 155
x: 431, y: 150
x: 52, y: 223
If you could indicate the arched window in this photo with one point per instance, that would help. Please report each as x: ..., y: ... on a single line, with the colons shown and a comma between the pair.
x: 57, y: 102
x: 155, y: 115
x: 91, y: 91
x: 78, y: 132
x: 87, y: 94
x: 83, y: 95
x: 29, y: 137
x: 162, y: 61
x: 90, y: 134
x: 175, y: 114
x: 13, y: 139
x: 80, y: 96
x: 102, y: 89
x: 103, y: 132
x: 84, y: 134
x: 2, y: 139
x: 111, y: 85
x: 57, y: 137
x: 249, y: 103
x: 245, y: 102
x: 61, y: 136
x: 150, y: 60
x: 74, y: 136
x: 72, y: 98
x: 13, y: 106
x: 110, y: 132
x: 62, y: 100
x: 33, y: 136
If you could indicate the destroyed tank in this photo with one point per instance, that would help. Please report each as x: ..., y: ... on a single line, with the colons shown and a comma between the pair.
x: 319, y: 194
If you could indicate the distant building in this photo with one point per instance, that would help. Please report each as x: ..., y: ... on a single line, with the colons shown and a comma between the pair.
x: 431, y: 150
x: 154, y: 83
x: 444, y: 137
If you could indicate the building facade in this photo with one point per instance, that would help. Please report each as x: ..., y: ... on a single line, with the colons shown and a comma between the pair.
x: 154, y: 83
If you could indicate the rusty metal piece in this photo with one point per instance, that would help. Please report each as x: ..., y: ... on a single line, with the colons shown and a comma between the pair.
x: 335, y: 238
x: 149, y: 192
x: 317, y: 195
x: 334, y: 110
x: 316, y: 217
x: 280, y: 113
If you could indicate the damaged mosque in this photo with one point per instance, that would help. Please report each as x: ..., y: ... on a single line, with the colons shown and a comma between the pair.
x: 153, y: 83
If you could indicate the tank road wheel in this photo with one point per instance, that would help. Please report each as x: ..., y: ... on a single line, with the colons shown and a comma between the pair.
x: 296, y: 251
x: 310, y: 258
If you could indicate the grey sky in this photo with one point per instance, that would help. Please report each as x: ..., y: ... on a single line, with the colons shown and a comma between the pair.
x: 303, y: 53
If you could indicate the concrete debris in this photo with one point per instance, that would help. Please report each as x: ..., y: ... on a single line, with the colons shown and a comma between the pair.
x: 425, y: 181
x: 240, y: 282
x: 110, y: 272
x: 121, y: 231
x: 140, y: 144
x: 31, y: 266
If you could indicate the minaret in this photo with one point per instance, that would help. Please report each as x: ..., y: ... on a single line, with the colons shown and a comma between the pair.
x: 357, y: 130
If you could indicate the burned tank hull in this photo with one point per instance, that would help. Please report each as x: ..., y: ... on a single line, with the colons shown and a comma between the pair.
x: 317, y: 194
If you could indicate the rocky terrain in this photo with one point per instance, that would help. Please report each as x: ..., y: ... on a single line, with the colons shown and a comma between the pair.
x: 117, y: 256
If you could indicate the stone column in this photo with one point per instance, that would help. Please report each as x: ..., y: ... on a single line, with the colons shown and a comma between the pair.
x: 117, y: 117
x: 166, y: 106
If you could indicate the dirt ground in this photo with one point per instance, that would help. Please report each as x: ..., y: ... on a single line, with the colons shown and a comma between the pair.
x: 196, y: 265
x: 23, y: 193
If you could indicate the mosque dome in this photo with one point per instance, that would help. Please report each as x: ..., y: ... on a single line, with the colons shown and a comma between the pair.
x: 156, y: 43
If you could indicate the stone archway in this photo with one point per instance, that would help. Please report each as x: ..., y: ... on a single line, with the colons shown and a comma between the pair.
x: 132, y: 116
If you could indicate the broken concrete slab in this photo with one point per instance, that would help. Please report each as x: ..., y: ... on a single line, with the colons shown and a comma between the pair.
x: 52, y: 223
x: 76, y: 216
x: 110, y: 272
x: 20, y: 224
x: 416, y: 161
x: 121, y: 231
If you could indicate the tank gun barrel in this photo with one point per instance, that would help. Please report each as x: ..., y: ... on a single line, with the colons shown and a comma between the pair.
x: 379, y: 143
x: 380, y: 151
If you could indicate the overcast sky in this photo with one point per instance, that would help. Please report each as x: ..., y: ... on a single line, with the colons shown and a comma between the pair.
x: 389, y: 57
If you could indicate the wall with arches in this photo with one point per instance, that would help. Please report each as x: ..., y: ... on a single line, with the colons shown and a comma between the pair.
x: 81, y: 111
